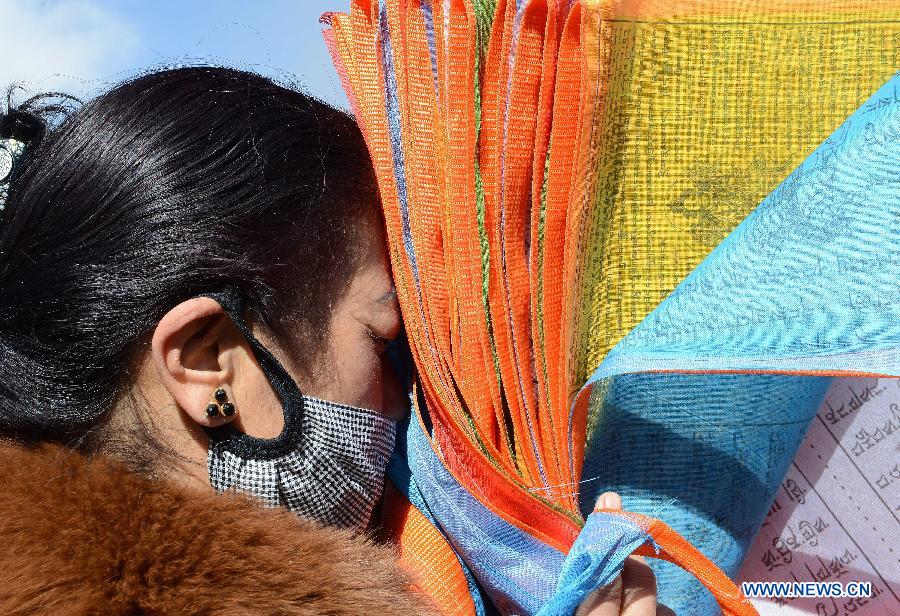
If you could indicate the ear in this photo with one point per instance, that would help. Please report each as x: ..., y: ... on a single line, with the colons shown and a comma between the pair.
x: 194, y: 348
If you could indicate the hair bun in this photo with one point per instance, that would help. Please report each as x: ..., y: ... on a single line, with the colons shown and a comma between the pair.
x: 18, y: 131
x: 22, y: 126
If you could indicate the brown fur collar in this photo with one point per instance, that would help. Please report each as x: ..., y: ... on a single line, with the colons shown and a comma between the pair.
x: 88, y: 537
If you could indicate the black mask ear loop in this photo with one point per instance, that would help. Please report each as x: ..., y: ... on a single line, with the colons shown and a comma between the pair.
x: 244, y: 445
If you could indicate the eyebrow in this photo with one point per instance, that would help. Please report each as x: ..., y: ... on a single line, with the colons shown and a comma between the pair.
x: 389, y: 296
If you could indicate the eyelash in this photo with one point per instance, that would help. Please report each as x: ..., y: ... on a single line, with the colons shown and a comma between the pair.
x: 381, y: 342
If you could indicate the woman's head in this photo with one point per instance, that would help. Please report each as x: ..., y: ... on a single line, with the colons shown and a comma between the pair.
x: 168, y: 187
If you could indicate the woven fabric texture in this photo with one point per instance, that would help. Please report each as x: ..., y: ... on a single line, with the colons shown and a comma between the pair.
x: 632, y: 241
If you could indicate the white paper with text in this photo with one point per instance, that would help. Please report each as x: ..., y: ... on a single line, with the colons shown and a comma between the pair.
x: 835, y: 517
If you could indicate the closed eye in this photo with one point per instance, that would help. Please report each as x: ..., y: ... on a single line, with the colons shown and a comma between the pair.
x: 380, y: 343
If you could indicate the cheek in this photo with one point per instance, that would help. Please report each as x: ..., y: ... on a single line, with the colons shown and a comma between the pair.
x: 356, y: 373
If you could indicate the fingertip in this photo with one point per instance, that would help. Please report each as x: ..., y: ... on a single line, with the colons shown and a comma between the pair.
x: 609, y: 500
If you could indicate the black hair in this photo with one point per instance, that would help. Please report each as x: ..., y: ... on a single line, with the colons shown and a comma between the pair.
x: 173, y: 184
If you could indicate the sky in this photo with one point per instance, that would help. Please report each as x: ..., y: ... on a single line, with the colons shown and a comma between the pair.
x: 83, y: 47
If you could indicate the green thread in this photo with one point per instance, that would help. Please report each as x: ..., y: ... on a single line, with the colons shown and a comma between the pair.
x: 484, y: 15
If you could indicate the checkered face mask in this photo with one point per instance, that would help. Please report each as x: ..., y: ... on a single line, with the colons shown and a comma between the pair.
x: 335, y: 473
x: 327, y: 464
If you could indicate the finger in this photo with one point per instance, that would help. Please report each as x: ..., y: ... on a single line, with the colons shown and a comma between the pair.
x: 605, y: 601
x: 662, y: 610
x: 638, y: 580
x: 638, y: 588
x: 609, y: 500
x: 637, y: 583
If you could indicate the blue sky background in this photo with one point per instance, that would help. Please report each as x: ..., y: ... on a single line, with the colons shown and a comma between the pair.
x: 85, y: 46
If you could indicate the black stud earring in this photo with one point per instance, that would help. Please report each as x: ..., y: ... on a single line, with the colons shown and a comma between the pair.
x: 221, y: 396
